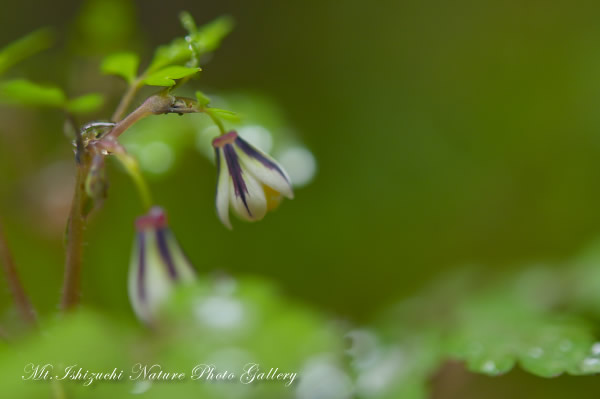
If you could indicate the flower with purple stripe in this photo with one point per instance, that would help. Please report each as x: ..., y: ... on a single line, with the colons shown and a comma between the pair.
x: 157, y: 265
x: 248, y: 180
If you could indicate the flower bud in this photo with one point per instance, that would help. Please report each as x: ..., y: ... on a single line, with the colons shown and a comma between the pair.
x: 158, y: 264
x: 249, y: 181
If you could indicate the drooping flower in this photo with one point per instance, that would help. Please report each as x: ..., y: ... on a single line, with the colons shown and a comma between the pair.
x: 247, y: 179
x: 157, y: 265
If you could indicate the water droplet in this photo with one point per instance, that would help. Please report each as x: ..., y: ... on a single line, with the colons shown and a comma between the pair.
x: 322, y: 378
x: 489, y: 367
x: 220, y: 312
x: 374, y: 380
x: 591, y: 364
x: 141, y: 387
x: 565, y: 345
x: 536, y: 352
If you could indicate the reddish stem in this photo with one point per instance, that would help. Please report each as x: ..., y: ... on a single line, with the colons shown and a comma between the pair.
x: 22, y: 301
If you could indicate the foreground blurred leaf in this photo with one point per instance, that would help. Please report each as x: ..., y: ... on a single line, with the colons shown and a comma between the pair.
x: 121, y: 64
x: 396, y: 368
x: 25, y: 47
x: 166, y: 76
x: 248, y: 321
x: 24, y: 92
x: 66, y: 342
x: 495, y: 333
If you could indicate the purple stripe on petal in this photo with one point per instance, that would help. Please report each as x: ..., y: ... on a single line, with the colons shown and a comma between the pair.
x: 141, y: 266
x: 163, y: 249
x: 235, y: 171
x: 254, y: 153
x: 218, y: 162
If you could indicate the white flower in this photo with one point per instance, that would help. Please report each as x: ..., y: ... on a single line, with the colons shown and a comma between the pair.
x: 157, y: 265
x: 247, y: 179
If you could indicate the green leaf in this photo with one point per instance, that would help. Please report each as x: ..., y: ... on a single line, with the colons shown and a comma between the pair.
x: 205, y: 39
x: 86, y: 103
x: 225, y: 114
x: 208, y: 37
x: 24, y: 92
x: 121, y: 64
x: 167, y: 76
x: 25, y: 47
x: 202, y: 98
x: 187, y: 21
x: 495, y: 333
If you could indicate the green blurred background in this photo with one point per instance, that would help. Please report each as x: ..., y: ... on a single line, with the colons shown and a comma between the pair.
x: 446, y: 133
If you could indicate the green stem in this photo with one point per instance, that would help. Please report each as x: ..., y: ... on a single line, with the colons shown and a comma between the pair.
x: 215, y: 120
x: 132, y: 167
x: 126, y: 100
x: 156, y: 104
x: 24, y: 306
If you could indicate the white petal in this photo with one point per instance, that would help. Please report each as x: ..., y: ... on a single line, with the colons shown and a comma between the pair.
x: 155, y: 281
x: 276, y: 178
x: 133, y: 282
x: 185, y: 271
x: 255, y: 199
x: 222, y: 199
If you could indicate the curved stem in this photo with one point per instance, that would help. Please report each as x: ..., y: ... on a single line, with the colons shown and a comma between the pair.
x: 22, y: 301
x: 132, y: 167
x: 216, y: 121
x: 157, y: 104
x: 139, y: 113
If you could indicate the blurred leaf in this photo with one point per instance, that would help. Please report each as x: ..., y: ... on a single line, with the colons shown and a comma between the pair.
x: 86, y: 103
x: 24, y: 92
x: 492, y: 334
x: 187, y: 21
x: 396, y: 368
x: 207, y: 38
x: 25, y: 47
x: 166, y: 76
x: 248, y: 321
x: 225, y: 114
x: 202, y: 98
x: 65, y: 342
x: 121, y: 64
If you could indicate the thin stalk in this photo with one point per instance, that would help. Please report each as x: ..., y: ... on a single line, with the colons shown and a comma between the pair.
x: 24, y: 306
x: 216, y: 121
x: 126, y: 100
x: 133, y: 170
x: 129, y: 120
x: 72, y: 277
x: 154, y: 105
x: 157, y: 104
